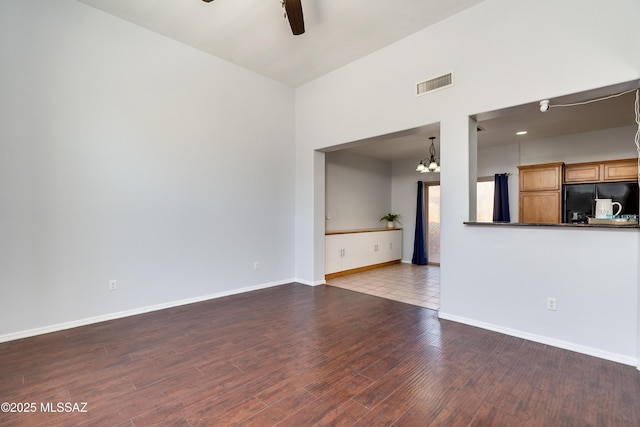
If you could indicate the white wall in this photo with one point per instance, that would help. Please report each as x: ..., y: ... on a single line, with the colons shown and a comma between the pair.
x: 358, y: 191
x: 125, y: 155
x: 608, y: 144
x: 498, y: 159
x: 494, y: 277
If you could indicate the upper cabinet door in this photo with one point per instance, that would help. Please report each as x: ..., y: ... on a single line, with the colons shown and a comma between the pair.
x: 621, y: 170
x: 546, y: 177
x: 582, y: 172
x: 606, y: 171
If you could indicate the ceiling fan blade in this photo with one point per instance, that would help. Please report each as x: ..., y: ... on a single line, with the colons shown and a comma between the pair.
x: 294, y: 13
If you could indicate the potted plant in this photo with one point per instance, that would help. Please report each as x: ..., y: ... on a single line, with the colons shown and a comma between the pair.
x: 391, y: 218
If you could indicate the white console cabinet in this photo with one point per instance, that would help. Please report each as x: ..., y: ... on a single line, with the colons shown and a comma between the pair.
x: 357, y: 250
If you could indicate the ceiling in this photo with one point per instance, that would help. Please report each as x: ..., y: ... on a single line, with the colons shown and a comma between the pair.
x: 255, y: 34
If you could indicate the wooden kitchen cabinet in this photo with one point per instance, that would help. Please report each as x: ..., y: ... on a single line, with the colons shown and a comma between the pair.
x: 541, y: 207
x: 541, y: 185
x: 621, y: 170
x: 582, y: 172
x: 545, y: 177
x: 540, y: 199
x: 606, y: 171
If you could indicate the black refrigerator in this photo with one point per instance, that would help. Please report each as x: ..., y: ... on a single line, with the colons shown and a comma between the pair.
x: 579, y: 199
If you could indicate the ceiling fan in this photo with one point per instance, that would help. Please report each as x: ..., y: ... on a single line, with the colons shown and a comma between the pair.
x: 293, y: 11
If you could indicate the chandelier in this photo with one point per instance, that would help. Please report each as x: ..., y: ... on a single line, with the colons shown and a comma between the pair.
x: 430, y: 163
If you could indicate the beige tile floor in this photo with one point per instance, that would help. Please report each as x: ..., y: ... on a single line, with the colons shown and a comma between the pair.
x: 408, y: 283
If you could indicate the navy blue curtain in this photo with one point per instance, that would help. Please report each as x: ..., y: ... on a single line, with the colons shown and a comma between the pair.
x: 419, y: 245
x: 501, y: 198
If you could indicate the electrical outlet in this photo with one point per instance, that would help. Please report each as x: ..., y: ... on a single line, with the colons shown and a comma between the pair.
x: 113, y: 285
x: 551, y: 303
x: 256, y: 265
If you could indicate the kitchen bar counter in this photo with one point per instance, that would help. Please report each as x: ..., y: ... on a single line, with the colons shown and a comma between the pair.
x: 582, y: 226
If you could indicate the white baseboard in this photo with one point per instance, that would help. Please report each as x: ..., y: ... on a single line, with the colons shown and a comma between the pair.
x: 614, y: 357
x: 309, y: 283
x: 135, y: 311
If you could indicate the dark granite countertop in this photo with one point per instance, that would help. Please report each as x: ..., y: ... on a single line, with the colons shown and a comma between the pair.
x: 581, y: 226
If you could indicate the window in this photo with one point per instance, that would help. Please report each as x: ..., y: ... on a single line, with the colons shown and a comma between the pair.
x: 484, y: 199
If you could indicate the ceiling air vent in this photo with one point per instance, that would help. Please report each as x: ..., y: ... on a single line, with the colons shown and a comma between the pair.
x: 440, y: 82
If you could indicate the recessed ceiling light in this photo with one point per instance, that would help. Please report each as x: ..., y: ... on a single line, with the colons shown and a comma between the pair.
x: 522, y: 132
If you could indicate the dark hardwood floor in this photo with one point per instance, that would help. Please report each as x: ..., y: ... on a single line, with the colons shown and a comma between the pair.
x: 300, y: 356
